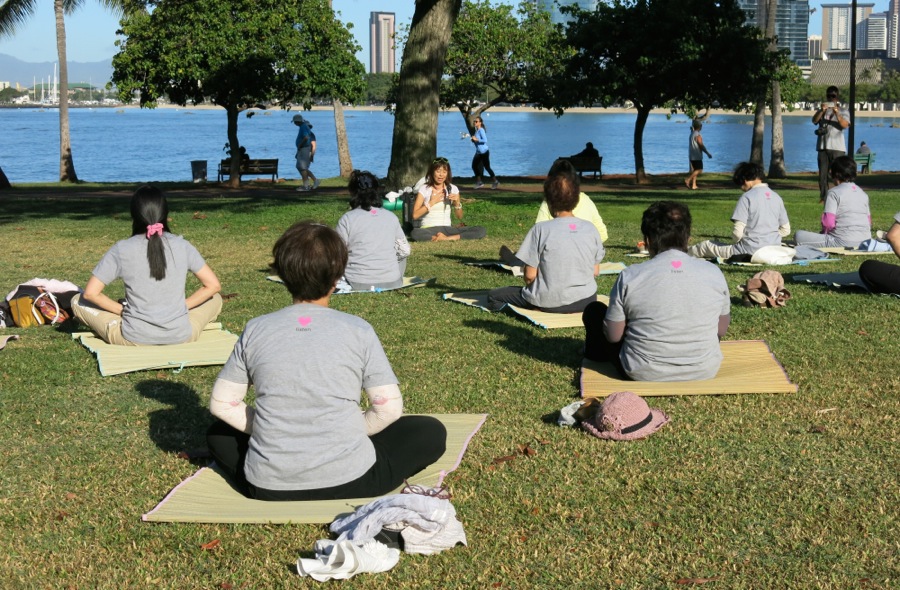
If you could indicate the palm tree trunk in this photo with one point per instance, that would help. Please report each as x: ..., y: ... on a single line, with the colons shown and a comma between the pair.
x: 776, y: 159
x: 66, y: 164
x: 414, y: 142
x: 777, y: 168
x: 759, y: 112
x: 340, y: 131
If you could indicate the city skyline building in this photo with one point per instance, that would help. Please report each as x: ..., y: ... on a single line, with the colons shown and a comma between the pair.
x: 836, y: 23
x: 876, y: 27
x: 815, y: 47
x: 382, y: 54
x: 791, y: 26
x: 553, y: 7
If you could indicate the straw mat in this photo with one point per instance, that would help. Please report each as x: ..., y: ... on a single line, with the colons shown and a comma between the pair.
x: 212, y: 348
x: 207, y: 496
x: 606, y: 268
x: 542, y: 319
x: 852, y: 252
x: 748, y: 367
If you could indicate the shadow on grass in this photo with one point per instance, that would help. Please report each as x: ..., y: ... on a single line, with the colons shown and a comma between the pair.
x: 180, y: 427
x: 520, y: 339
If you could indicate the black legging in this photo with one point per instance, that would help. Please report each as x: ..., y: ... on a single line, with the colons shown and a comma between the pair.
x: 596, y: 346
x: 403, y: 449
x: 499, y: 297
x: 880, y: 277
x: 482, y: 162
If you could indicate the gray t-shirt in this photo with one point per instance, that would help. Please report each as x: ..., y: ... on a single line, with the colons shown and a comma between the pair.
x: 156, y: 312
x: 371, y: 238
x: 672, y: 305
x: 763, y: 211
x: 564, y: 250
x: 850, y: 206
x: 308, y: 365
x: 834, y: 133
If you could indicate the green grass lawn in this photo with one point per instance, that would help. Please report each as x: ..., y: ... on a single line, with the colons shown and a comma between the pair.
x: 752, y: 491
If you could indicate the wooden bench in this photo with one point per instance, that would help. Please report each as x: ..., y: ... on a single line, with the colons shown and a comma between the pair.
x: 586, y: 164
x: 258, y: 167
x: 866, y: 161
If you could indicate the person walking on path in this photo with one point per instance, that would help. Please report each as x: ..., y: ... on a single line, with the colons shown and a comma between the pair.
x: 482, y: 159
x: 304, y: 144
x: 831, y: 119
x: 696, y: 149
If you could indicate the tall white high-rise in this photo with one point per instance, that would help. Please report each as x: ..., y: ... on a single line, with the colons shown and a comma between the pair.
x: 553, y: 6
x: 382, y: 55
x: 836, y: 23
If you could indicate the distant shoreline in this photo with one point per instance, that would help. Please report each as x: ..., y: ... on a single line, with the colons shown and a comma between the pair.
x: 498, y: 109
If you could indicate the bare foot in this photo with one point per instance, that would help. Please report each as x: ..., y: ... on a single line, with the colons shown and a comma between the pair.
x: 687, y: 182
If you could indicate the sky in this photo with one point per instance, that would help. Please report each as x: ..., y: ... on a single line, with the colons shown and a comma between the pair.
x: 91, y: 31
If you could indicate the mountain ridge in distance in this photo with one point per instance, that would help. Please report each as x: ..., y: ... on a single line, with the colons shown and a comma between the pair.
x: 14, y: 70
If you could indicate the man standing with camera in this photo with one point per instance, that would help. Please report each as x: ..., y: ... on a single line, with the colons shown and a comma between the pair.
x: 831, y: 120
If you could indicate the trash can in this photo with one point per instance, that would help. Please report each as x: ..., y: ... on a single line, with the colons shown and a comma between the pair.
x: 198, y: 170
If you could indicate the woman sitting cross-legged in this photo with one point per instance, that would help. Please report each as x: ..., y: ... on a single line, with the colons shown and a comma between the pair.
x: 306, y: 437
x: 376, y: 245
x: 153, y: 264
x: 561, y: 257
x: 846, y: 220
x: 666, y: 315
x: 434, y: 203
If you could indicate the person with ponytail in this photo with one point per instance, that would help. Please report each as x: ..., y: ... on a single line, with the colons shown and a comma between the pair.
x: 153, y: 264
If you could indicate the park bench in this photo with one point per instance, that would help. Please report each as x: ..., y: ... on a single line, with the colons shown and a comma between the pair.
x: 586, y: 164
x: 866, y: 161
x: 258, y: 167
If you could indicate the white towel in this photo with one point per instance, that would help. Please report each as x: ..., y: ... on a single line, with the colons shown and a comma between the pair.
x: 342, y: 560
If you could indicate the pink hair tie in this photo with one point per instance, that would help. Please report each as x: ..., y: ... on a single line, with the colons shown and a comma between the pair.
x: 156, y: 228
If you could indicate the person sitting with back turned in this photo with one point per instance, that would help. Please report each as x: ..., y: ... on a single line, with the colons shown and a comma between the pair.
x: 589, y: 151
x: 561, y: 257
x: 864, y: 150
x: 585, y: 209
x: 375, y: 241
x: 759, y: 217
x: 846, y: 220
x: 665, y: 316
x: 153, y: 263
x: 306, y: 437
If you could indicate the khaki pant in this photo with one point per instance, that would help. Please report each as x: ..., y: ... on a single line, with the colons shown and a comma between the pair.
x: 711, y: 249
x: 108, y: 326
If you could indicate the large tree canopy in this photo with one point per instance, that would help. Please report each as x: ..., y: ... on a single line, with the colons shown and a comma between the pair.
x: 653, y: 53
x: 237, y: 54
x: 498, y: 56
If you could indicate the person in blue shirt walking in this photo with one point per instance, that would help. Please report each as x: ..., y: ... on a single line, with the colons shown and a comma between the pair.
x: 482, y: 159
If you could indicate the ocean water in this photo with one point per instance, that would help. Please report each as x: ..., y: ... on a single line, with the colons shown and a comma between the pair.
x: 137, y: 145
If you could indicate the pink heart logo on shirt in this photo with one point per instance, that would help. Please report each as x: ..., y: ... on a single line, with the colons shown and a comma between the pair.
x: 304, y: 320
x: 573, y: 227
x: 374, y: 212
x: 676, y: 264
x: 768, y: 195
